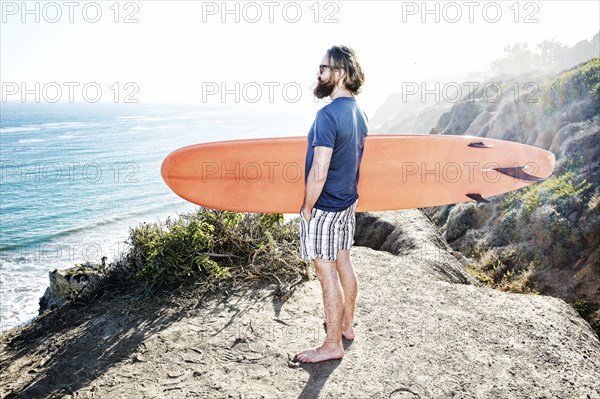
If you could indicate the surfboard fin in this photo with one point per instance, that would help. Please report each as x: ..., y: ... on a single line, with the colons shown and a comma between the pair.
x: 480, y: 144
x: 478, y: 198
x: 518, y: 173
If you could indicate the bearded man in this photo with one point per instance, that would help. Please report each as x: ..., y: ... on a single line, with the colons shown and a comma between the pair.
x: 327, y: 217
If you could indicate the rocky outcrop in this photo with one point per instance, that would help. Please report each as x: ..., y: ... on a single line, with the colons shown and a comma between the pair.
x: 410, y: 235
x: 67, y: 284
x: 459, y: 118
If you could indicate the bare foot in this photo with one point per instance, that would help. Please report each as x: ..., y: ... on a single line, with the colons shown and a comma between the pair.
x: 347, y: 332
x: 319, y: 354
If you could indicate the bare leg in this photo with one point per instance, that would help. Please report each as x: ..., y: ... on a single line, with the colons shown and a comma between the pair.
x: 350, y: 288
x: 333, y: 304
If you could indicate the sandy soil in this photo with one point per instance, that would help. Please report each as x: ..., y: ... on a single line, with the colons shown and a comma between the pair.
x: 419, y: 335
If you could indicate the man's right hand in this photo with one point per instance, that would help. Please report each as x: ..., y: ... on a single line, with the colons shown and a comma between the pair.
x: 306, y: 214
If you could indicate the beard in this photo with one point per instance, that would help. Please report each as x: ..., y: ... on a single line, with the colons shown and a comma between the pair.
x: 324, y: 88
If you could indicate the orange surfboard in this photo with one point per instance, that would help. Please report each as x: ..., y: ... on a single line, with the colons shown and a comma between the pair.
x: 397, y: 172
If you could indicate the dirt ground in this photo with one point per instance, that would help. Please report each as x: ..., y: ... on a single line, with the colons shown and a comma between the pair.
x: 418, y: 335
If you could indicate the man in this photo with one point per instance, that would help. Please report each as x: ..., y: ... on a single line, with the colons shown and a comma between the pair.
x: 335, y: 147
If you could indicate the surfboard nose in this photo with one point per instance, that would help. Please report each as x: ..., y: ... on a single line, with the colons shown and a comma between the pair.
x: 164, y: 169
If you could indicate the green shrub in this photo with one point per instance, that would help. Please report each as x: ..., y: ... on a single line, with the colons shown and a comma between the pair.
x: 505, y: 230
x: 581, y: 307
x: 483, y: 278
x: 211, y: 247
x: 552, y: 190
x: 577, y: 83
x: 462, y: 218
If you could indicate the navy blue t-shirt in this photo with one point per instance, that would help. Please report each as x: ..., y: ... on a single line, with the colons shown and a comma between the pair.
x: 340, y: 125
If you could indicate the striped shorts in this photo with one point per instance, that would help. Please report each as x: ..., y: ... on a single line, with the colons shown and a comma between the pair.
x: 326, y: 233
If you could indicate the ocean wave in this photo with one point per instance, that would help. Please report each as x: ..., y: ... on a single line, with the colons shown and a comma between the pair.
x: 17, y: 129
x: 40, y: 126
x: 199, y: 115
x: 213, y: 112
x: 174, y: 126
x: 142, y: 118
x: 28, y: 141
x: 67, y: 136
x: 129, y: 117
x: 58, y: 125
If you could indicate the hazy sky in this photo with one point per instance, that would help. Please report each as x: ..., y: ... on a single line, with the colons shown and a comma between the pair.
x: 188, y: 51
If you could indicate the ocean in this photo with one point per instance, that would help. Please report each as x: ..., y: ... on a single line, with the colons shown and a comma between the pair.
x: 76, y: 177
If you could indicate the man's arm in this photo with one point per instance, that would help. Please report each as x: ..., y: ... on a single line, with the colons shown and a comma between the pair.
x: 316, y: 179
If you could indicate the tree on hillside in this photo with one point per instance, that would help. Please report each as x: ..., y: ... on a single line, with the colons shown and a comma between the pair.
x: 517, y: 59
x: 549, y: 55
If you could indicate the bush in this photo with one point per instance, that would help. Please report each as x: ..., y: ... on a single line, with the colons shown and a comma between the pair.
x: 211, y: 248
x: 554, y: 190
x: 462, y: 217
x: 577, y: 83
x: 505, y: 231
x: 581, y: 306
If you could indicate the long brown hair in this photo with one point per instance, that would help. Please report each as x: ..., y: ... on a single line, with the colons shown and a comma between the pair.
x: 343, y: 57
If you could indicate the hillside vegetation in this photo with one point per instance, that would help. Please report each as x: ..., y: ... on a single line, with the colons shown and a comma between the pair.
x: 544, y: 238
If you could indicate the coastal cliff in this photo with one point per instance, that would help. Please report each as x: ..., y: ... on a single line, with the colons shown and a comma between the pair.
x: 425, y: 329
x: 544, y: 238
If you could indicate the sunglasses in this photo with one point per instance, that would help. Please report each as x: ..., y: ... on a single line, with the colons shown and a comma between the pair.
x: 323, y: 67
